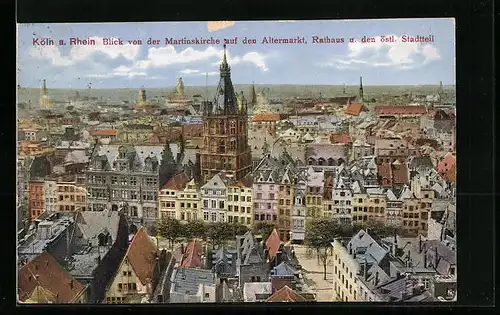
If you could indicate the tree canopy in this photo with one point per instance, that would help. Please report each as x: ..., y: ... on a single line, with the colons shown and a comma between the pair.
x: 320, y: 233
x: 170, y: 229
x: 263, y: 228
x: 377, y: 229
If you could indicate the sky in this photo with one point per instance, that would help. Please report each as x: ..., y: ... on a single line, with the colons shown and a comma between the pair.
x: 158, y: 66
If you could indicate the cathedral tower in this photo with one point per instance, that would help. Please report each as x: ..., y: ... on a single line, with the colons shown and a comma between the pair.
x: 225, y: 135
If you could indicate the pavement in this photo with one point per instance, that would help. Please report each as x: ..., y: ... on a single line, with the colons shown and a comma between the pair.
x: 312, y: 272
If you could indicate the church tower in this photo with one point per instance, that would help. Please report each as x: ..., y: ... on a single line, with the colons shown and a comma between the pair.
x: 253, y: 96
x: 225, y: 135
x: 45, y: 101
x: 360, y: 89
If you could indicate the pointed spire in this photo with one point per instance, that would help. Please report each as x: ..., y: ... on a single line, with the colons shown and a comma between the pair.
x: 360, y: 89
x: 253, y: 95
x: 142, y: 95
x: 179, y: 89
x: 224, y: 65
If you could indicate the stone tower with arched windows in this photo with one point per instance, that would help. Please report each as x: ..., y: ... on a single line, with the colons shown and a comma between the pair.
x: 225, y: 136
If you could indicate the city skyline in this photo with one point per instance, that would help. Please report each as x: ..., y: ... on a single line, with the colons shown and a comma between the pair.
x: 132, y: 66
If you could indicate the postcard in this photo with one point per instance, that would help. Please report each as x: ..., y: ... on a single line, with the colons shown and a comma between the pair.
x: 236, y: 161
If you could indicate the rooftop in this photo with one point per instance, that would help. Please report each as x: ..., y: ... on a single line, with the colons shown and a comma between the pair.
x: 187, y: 280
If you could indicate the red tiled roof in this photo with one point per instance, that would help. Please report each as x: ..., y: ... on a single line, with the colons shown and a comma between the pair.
x: 141, y: 255
x: 192, y: 255
x: 273, y: 243
x: 285, y: 294
x: 266, y: 117
x: 51, y: 276
x: 451, y: 174
x: 344, y: 138
x: 447, y: 163
x: 393, y: 173
x: 354, y: 109
x: 104, y: 132
x: 400, y: 110
x: 177, y: 182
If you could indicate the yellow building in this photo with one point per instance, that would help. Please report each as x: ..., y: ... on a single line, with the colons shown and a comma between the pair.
x: 188, y: 203
x: 168, y: 195
x: 136, y: 273
x: 239, y: 202
x: 70, y: 197
x: 369, y: 206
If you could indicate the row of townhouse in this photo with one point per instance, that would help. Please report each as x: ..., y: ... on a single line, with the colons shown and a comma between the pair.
x: 287, y: 195
x: 56, y: 194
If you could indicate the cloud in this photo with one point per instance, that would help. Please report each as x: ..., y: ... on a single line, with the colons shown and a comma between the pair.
x: 82, y: 53
x: 257, y: 59
x: 397, y: 55
x: 121, y: 71
x: 189, y: 71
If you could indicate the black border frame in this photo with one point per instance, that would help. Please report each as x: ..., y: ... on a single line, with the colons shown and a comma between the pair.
x: 475, y: 121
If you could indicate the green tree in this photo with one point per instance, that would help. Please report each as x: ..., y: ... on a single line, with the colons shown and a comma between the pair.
x: 195, y: 229
x: 264, y: 229
x: 320, y: 233
x: 237, y: 229
x: 218, y: 233
x: 170, y: 229
x: 377, y: 229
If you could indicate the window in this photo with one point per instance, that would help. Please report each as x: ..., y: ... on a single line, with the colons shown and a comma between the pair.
x: 120, y: 287
x: 207, y: 295
x: 259, y: 195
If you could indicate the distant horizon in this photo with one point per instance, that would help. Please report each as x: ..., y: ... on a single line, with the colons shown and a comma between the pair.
x: 215, y: 85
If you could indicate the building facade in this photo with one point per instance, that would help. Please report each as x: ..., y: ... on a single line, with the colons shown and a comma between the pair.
x: 125, y: 178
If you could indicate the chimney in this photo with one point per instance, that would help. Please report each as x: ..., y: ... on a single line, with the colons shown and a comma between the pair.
x: 71, y: 284
x: 395, y: 245
x: 419, y: 243
x: 365, y: 270
x: 376, y: 278
x: 435, y: 257
x: 350, y: 249
x: 182, y: 248
x: 425, y: 260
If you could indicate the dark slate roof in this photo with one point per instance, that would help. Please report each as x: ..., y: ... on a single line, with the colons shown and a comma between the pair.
x: 223, y: 262
x: 284, y: 269
x: 187, y: 280
x: 366, y: 248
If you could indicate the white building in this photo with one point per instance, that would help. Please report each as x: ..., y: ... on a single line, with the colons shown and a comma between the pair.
x: 214, y: 200
x: 341, y: 196
x: 50, y: 193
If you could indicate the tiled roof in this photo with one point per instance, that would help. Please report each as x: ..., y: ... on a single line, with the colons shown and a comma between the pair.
x: 344, y: 138
x: 51, y: 277
x: 394, y: 173
x: 188, y: 280
x: 245, y: 182
x: 104, y: 132
x: 141, y: 255
x: 285, y: 294
x: 273, y: 243
x: 177, y: 182
x: 266, y: 117
x: 192, y: 255
x: 451, y: 174
x: 354, y: 109
x: 400, y: 110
